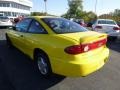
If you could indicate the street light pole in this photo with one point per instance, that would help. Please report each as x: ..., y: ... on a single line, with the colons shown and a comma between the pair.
x: 96, y: 6
x: 45, y: 1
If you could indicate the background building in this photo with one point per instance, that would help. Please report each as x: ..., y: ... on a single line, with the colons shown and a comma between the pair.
x: 14, y: 8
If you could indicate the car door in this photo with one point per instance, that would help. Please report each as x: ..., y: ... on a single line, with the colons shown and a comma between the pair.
x: 19, y: 31
x: 34, y: 34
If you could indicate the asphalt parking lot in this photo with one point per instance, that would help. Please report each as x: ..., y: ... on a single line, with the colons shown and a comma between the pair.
x: 17, y: 72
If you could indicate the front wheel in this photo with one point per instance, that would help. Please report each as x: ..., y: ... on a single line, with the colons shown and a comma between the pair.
x: 43, y: 64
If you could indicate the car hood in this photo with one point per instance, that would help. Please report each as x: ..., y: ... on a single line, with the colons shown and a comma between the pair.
x: 85, y: 37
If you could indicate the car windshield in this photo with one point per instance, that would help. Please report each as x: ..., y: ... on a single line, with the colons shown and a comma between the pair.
x: 106, y: 22
x: 61, y: 25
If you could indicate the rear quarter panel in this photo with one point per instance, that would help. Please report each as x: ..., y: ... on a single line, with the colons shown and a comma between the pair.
x: 52, y: 45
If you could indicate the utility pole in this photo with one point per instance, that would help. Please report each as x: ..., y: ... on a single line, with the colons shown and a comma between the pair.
x: 96, y: 6
x: 45, y: 1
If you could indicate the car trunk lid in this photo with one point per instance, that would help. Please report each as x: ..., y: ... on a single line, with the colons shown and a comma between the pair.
x: 106, y: 28
x: 85, y: 37
x: 86, y: 41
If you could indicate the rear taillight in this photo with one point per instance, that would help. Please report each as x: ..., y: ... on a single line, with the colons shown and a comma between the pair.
x: 98, y: 27
x: 116, y: 28
x: 77, y: 49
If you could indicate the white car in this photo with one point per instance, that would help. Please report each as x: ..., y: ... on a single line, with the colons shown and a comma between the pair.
x: 106, y: 26
x: 5, y: 21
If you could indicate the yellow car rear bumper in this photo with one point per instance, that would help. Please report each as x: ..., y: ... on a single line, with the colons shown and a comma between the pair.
x: 80, y: 69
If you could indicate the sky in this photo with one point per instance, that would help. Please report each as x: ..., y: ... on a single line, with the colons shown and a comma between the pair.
x: 59, y: 7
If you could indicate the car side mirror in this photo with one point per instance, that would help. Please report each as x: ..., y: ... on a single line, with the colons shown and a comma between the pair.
x: 89, y: 25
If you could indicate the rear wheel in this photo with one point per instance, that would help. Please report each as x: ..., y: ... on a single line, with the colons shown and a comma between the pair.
x: 112, y: 38
x: 43, y: 64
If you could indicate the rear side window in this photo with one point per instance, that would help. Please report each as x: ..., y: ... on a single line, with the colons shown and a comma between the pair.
x: 23, y: 25
x: 61, y: 25
x: 35, y: 27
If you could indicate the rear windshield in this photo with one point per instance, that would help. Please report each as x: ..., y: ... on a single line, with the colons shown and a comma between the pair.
x: 61, y: 25
x: 106, y: 22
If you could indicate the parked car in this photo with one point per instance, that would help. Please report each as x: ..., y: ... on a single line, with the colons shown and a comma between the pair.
x: 17, y: 19
x: 1, y: 14
x: 59, y: 46
x: 89, y: 24
x: 107, y: 26
x: 118, y: 23
x: 11, y: 18
x: 5, y: 21
x: 80, y: 21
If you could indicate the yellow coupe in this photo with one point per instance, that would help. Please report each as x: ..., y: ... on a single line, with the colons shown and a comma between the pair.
x: 59, y: 46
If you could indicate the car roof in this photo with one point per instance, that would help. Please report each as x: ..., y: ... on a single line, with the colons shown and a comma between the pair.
x: 106, y: 19
x: 40, y: 17
x: 44, y: 17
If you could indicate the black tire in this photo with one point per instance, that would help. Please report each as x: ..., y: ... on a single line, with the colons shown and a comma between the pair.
x: 8, y: 41
x: 112, y: 38
x: 43, y: 64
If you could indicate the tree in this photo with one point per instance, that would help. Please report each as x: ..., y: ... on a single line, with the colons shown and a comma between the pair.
x: 75, y: 7
x: 65, y: 16
x: 112, y: 15
x: 38, y: 14
x: 75, y: 10
x: 89, y: 16
x: 116, y: 12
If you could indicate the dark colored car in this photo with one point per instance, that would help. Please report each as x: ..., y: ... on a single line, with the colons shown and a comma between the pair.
x: 80, y: 21
x: 89, y: 24
x: 118, y: 23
